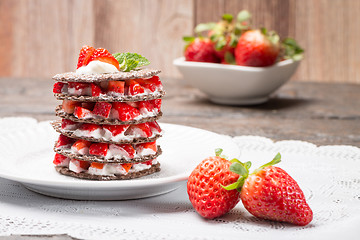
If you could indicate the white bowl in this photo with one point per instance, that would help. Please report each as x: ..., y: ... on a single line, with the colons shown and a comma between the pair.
x: 236, y: 85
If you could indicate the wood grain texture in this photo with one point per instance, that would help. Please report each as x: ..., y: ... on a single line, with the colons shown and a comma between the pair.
x: 43, y: 37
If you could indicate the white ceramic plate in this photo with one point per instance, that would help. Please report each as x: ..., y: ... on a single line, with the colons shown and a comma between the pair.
x: 27, y: 158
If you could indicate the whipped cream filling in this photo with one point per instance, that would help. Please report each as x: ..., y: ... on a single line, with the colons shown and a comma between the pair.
x: 97, y: 67
x: 109, y: 169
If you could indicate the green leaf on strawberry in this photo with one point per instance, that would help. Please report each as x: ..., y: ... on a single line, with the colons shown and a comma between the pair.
x: 227, y: 17
x: 130, y: 61
x: 204, y: 27
x: 292, y: 50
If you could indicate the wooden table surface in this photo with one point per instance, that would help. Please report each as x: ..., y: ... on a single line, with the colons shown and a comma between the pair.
x: 321, y: 113
x: 324, y: 114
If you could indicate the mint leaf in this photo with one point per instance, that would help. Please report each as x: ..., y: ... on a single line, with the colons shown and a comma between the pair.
x: 188, y: 38
x: 130, y: 61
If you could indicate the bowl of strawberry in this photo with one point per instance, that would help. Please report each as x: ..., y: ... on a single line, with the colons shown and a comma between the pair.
x: 236, y: 64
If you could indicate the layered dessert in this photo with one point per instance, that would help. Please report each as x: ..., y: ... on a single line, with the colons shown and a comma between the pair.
x: 108, y: 127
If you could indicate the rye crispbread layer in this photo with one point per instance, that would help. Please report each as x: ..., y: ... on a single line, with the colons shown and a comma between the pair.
x: 65, y: 171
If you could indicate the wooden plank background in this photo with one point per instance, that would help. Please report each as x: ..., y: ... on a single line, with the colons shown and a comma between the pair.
x: 39, y: 38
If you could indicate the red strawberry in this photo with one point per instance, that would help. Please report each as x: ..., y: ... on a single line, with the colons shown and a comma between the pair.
x: 151, y: 84
x: 68, y: 106
x: 99, y: 149
x: 126, y: 166
x: 58, y: 86
x: 125, y: 150
x: 257, y: 49
x: 115, y: 129
x: 81, y: 146
x: 156, y: 103
x: 201, y: 50
x: 82, y: 113
x: 88, y: 105
x: 271, y: 193
x: 79, y: 89
x: 154, y: 126
x: 145, y: 107
x: 149, y: 147
x: 95, y: 90
x: 116, y: 86
x: 84, y: 56
x: 103, y: 55
x: 205, y: 189
x: 102, y: 109
x: 148, y: 162
x: 134, y: 87
x: 89, y: 127
x: 69, y: 125
x: 124, y: 112
x: 64, y: 141
x: 61, y: 160
x: 139, y: 130
x: 79, y: 165
x: 97, y: 165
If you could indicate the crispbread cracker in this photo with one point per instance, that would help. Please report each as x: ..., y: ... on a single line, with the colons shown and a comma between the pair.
x: 99, y: 77
x: 105, y: 98
x: 60, y: 113
x: 66, y: 171
x: 57, y: 126
x: 101, y: 159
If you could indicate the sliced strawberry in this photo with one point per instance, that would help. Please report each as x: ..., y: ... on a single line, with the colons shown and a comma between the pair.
x: 58, y: 87
x: 88, y: 105
x: 79, y: 89
x: 148, y: 162
x: 146, y: 148
x: 115, y: 129
x: 139, y: 130
x: 60, y: 160
x: 124, y: 112
x: 116, y: 86
x: 151, y: 84
x: 126, y: 166
x: 84, y: 55
x: 103, y: 55
x: 156, y: 103
x: 95, y: 90
x: 154, y: 126
x: 82, y: 113
x: 68, y: 106
x: 97, y: 165
x: 102, y: 109
x: 81, y: 146
x: 64, y: 141
x: 79, y: 165
x: 145, y: 107
x: 134, y: 87
x: 89, y: 127
x: 99, y: 149
x: 125, y: 150
x: 67, y: 124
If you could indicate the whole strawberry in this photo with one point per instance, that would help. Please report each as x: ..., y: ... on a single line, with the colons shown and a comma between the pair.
x: 200, y: 50
x: 271, y: 193
x: 205, y: 189
x: 257, y: 48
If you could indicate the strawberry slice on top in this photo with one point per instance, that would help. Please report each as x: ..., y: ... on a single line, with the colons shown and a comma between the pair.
x: 88, y: 54
x: 84, y: 55
x: 103, y: 55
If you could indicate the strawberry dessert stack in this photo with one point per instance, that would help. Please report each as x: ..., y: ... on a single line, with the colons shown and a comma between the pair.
x: 108, y: 127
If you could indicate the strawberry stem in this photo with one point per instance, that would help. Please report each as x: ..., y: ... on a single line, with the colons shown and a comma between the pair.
x: 276, y: 160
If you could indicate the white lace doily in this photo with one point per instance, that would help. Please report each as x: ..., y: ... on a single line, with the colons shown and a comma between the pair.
x: 328, y: 175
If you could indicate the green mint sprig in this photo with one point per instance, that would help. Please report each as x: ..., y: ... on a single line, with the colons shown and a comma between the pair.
x: 130, y: 61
